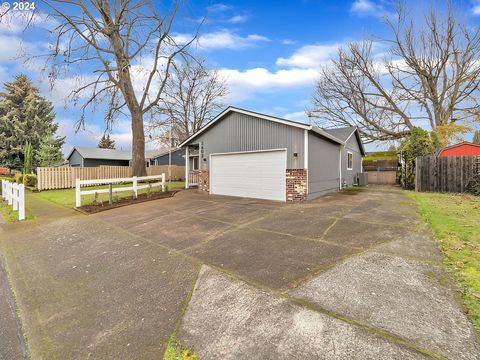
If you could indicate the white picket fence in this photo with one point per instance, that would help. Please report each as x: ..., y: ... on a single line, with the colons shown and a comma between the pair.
x: 134, y: 188
x: 14, y: 194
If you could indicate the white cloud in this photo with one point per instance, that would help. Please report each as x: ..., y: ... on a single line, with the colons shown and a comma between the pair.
x: 219, y: 7
x: 287, y: 42
x: 476, y: 7
x: 247, y: 83
x: 368, y: 8
x: 15, y: 22
x: 310, y: 56
x: 223, y: 39
x: 238, y: 19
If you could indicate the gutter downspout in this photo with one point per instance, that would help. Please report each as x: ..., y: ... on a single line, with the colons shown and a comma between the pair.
x: 340, y: 167
x: 187, y: 160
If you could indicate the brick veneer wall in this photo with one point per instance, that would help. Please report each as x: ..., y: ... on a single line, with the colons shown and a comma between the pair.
x: 203, y: 180
x: 297, y: 184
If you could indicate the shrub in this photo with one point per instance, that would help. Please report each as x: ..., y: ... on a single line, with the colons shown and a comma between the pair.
x: 30, y: 179
x: 473, y: 186
x: 19, y: 178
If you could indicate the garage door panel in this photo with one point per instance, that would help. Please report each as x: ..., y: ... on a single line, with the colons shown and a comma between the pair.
x: 257, y: 174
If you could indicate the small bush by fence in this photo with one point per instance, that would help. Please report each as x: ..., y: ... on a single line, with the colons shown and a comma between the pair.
x: 49, y: 178
x: 446, y: 174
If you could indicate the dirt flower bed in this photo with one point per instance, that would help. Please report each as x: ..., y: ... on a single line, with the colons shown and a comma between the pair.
x: 102, y: 206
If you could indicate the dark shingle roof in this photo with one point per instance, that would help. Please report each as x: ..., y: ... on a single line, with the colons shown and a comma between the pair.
x: 344, y: 133
x: 341, y: 133
x: 112, y: 154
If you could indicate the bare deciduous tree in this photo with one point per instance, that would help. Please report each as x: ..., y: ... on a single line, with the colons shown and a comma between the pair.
x: 193, y: 98
x: 127, y: 46
x: 429, y: 75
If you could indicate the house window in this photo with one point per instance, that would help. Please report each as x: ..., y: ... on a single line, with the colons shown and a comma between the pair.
x: 349, y: 161
x: 195, y: 163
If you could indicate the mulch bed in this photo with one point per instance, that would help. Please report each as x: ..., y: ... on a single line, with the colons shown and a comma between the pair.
x: 95, y: 208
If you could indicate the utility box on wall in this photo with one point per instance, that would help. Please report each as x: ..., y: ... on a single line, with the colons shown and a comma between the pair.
x: 362, y: 179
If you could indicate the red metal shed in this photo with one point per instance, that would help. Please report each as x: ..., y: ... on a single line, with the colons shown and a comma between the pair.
x: 463, y: 149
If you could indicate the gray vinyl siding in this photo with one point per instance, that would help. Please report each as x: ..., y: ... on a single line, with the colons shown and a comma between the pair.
x: 353, y: 147
x: 75, y: 159
x: 240, y: 132
x: 323, y: 176
x: 177, y: 158
x: 98, y: 162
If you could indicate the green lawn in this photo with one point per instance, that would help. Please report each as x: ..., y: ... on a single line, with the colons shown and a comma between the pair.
x: 66, y: 197
x: 455, y: 220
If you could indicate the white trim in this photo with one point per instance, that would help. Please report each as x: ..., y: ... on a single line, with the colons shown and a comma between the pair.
x: 251, y: 151
x: 340, y: 168
x: 327, y: 135
x: 305, y: 150
x: 245, y: 112
x: 349, y: 136
x: 349, y: 153
x: 187, y: 160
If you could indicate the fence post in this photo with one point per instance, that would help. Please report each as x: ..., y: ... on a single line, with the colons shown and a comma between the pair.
x: 135, y: 187
x: 163, y: 182
x: 78, y: 201
x: 15, y: 196
x: 21, y: 202
x: 10, y: 193
x: 3, y: 189
x: 416, y: 174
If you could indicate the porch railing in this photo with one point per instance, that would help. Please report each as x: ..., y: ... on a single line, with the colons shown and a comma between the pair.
x: 193, y: 177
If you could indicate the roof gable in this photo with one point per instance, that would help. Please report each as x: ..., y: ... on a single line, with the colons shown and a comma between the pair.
x: 459, y: 145
x: 231, y: 109
x: 346, y: 133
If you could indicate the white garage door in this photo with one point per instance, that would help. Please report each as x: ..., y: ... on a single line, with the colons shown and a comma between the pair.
x: 258, y: 175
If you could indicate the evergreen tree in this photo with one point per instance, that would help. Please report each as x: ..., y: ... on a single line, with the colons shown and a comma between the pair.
x: 49, y: 152
x: 24, y: 116
x: 27, y: 158
x: 476, y: 137
x: 106, y: 143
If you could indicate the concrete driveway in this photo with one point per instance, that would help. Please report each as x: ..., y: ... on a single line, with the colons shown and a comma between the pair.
x: 350, y: 275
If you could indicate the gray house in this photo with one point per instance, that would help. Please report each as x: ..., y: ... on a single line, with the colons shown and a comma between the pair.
x: 177, y: 157
x: 248, y: 154
x: 91, y: 157
x: 352, y: 150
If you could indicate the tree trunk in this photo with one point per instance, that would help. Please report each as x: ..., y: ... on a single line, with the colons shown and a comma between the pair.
x: 138, y: 145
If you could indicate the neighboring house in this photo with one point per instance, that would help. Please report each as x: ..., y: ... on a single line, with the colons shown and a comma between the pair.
x: 463, y: 149
x: 163, y: 158
x: 248, y: 154
x: 92, y: 157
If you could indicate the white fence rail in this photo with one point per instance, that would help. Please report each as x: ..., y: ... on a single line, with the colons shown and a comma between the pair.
x: 14, y: 194
x: 134, y: 188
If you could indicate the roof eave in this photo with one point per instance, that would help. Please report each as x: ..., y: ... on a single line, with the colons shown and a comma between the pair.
x: 327, y: 135
x: 246, y: 112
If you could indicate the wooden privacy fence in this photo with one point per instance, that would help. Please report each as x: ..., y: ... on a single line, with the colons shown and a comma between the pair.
x: 49, y: 178
x: 382, y: 177
x: 445, y: 174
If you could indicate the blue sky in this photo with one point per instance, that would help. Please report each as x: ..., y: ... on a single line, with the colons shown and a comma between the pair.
x: 268, y: 51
